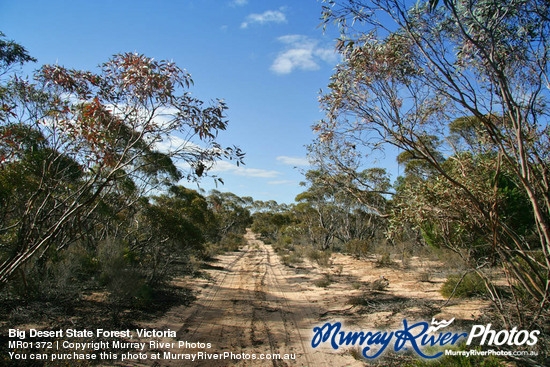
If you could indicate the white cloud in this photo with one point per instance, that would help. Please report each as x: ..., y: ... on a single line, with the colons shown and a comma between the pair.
x: 173, y: 143
x: 238, y: 2
x: 223, y: 166
x: 302, y: 53
x: 281, y: 182
x: 184, y: 166
x: 293, y: 161
x: 269, y: 16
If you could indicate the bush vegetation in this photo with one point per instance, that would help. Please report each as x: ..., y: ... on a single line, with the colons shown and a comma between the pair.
x: 463, y: 285
x: 324, y: 282
x: 89, y: 198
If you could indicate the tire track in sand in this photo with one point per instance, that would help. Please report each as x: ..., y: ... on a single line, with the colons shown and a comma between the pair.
x: 250, y: 308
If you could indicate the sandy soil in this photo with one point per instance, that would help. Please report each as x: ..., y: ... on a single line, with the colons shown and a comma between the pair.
x: 255, y: 304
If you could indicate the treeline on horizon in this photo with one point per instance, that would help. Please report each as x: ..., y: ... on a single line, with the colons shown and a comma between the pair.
x: 90, y: 165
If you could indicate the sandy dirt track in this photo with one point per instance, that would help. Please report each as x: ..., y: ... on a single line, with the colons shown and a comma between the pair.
x: 249, y: 308
x: 253, y: 304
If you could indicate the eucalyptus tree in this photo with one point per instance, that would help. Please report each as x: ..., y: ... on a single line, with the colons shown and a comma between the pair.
x: 75, y: 137
x: 336, y: 208
x: 231, y: 212
x: 169, y: 230
x: 409, y: 70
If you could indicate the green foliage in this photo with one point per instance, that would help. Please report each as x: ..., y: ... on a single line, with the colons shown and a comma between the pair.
x: 81, y: 150
x: 357, y: 247
x: 470, y: 285
x: 337, y: 208
x: 12, y: 53
x: 181, y: 218
x: 289, y: 253
x: 58, y: 278
x: 231, y: 212
x: 80, y: 154
x: 292, y: 259
x: 514, y: 206
x: 270, y: 224
x: 322, y: 258
x: 459, y: 89
x: 128, y: 288
x: 127, y: 274
x: 232, y: 242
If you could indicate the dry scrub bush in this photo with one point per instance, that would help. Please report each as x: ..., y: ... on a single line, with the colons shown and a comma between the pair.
x: 357, y: 247
x: 291, y: 259
x: 384, y: 260
x: 324, y: 282
x: 322, y: 258
x: 463, y: 286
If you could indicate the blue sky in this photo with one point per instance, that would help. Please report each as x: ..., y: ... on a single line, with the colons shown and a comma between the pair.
x: 267, y: 59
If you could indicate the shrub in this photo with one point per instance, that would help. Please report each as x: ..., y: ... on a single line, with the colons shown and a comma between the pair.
x: 324, y: 282
x: 124, y: 277
x: 286, y: 240
x: 291, y: 259
x: 232, y: 242
x: 59, y: 277
x: 322, y: 258
x: 129, y: 289
x: 384, y: 260
x: 379, y: 284
x: 406, y: 259
x: 362, y: 299
x: 471, y: 285
x: 357, y: 247
x: 209, y: 250
x: 283, y: 245
x: 356, y: 353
